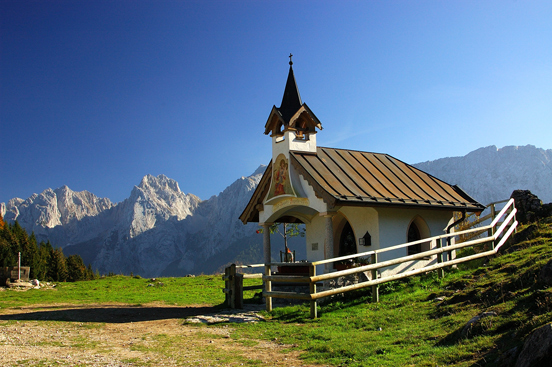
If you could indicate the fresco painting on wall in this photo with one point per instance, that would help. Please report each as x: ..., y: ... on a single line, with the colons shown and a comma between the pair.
x: 280, y: 178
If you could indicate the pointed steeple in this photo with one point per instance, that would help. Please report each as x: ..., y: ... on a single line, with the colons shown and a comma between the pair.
x: 293, y: 114
x: 291, y: 101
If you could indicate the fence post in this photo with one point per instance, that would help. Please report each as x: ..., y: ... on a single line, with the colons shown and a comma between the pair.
x: 227, y: 286
x: 491, y: 231
x: 232, y: 283
x: 440, y: 271
x: 268, y: 288
x: 375, y: 288
x: 238, y: 288
x: 312, y: 286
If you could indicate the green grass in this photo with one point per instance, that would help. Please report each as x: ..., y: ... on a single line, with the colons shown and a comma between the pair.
x: 408, y: 327
x: 200, y: 290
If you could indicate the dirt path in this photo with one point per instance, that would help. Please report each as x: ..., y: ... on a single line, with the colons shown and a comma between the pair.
x: 122, y: 335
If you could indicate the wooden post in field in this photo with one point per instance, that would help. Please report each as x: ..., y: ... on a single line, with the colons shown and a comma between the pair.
x: 440, y: 271
x: 375, y: 288
x: 238, y: 287
x: 227, y: 286
x: 268, y: 288
x: 232, y: 283
x: 312, y: 286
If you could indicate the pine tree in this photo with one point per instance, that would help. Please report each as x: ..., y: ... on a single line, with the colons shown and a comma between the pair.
x: 57, y: 267
x: 91, y: 275
x: 9, y: 247
x: 76, y: 270
x: 43, y: 259
x: 29, y: 254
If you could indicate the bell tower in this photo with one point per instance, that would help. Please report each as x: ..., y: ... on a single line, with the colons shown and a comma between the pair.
x: 292, y: 126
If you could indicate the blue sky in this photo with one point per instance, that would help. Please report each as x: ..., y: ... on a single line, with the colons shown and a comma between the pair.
x: 97, y: 94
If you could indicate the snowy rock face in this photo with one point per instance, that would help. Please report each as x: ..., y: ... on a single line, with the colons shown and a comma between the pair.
x: 53, y: 208
x: 491, y: 174
x: 156, y: 228
x: 156, y: 199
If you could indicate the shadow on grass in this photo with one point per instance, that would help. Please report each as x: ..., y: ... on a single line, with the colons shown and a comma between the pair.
x: 110, y: 313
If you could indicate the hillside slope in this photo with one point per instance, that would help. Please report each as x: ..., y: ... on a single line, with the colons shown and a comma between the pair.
x: 427, y: 321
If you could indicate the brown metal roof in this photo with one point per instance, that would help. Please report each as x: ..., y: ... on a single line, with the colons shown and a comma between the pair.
x: 347, y: 177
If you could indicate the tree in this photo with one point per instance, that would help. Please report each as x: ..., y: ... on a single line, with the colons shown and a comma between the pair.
x: 29, y: 254
x: 43, y: 259
x: 289, y: 230
x: 76, y: 270
x: 57, y: 267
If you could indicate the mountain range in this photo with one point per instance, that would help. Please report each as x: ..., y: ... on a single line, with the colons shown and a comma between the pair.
x: 161, y: 231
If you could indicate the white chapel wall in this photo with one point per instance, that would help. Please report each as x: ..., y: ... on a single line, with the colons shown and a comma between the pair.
x: 394, y: 229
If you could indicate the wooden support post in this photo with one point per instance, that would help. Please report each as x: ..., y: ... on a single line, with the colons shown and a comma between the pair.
x: 268, y: 287
x: 227, y: 286
x: 312, y: 286
x: 232, y: 283
x: 492, y: 230
x: 440, y: 271
x: 375, y: 288
x: 238, y: 287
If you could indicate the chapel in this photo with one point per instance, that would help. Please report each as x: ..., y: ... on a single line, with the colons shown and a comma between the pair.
x: 350, y: 201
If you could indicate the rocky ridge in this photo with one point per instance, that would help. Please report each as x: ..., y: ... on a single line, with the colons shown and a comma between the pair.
x: 156, y: 228
x: 490, y: 174
x: 159, y: 230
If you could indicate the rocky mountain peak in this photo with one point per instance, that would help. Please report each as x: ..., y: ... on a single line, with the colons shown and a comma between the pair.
x: 160, y: 183
x: 154, y: 199
x: 260, y: 170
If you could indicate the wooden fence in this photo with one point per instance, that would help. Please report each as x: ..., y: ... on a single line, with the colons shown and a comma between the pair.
x: 233, y: 284
x: 497, y: 232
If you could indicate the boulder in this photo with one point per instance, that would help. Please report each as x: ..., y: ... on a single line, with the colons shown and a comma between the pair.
x: 537, y: 349
x: 474, y: 321
x: 528, y: 205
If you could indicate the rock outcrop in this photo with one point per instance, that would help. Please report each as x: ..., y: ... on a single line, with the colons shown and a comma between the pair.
x: 537, y: 349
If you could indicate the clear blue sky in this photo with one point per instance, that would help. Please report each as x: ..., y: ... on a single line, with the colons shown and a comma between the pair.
x: 97, y: 94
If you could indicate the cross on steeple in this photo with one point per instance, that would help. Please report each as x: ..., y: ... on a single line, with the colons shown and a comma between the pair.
x: 290, y: 56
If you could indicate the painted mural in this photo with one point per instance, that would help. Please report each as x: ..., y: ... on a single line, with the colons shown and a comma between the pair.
x: 281, y: 184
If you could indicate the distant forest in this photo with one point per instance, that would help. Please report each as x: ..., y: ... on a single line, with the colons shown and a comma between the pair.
x: 46, y: 262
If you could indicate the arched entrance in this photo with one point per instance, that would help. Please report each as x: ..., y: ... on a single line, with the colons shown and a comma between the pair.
x: 417, y: 230
x: 347, y: 242
x: 414, y: 235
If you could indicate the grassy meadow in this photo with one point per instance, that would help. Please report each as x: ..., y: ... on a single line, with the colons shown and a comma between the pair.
x: 418, y: 321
